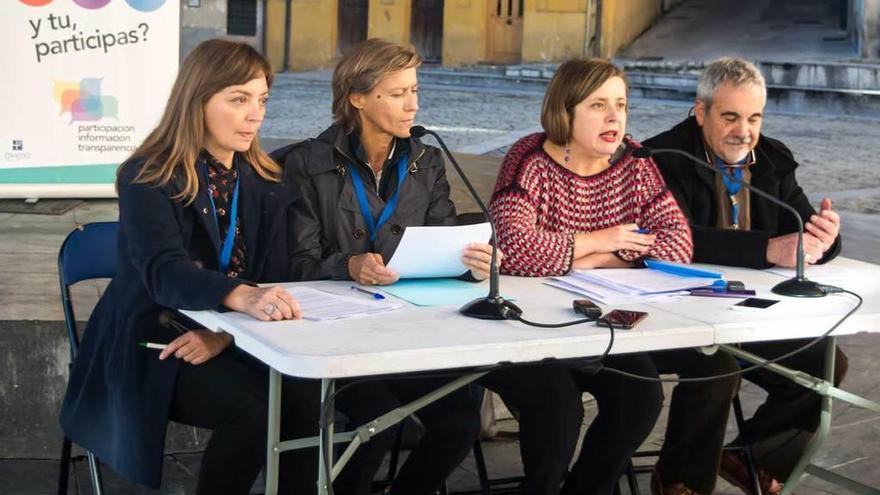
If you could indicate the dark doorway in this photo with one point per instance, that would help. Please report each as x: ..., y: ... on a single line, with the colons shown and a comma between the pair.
x: 426, y: 29
x: 352, y: 23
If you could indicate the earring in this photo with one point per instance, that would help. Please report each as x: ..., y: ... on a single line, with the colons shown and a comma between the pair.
x: 567, y: 156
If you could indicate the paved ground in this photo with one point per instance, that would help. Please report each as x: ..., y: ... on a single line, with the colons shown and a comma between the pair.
x: 837, y: 156
x: 769, y: 30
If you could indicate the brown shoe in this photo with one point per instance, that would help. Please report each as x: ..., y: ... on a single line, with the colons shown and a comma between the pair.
x: 734, y: 471
x: 659, y: 488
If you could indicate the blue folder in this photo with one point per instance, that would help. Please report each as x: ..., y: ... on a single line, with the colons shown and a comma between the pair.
x: 681, y: 270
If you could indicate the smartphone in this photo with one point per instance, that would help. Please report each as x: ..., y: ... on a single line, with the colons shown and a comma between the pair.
x: 587, y: 308
x: 753, y: 304
x: 620, y: 318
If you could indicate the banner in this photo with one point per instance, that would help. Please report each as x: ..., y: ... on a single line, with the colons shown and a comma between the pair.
x: 85, y: 82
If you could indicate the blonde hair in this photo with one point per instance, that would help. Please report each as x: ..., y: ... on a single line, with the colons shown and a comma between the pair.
x: 173, y: 147
x: 572, y: 83
x: 361, y: 69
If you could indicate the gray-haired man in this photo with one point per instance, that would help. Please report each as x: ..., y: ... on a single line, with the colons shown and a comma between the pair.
x: 732, y: 227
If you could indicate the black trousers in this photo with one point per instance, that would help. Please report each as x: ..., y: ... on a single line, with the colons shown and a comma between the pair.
x: 229, y: 395
x: 691, y: 451
x: 784, y: 423
x: 548, y: 400
x: 698, y: 412
x: 628, y: 409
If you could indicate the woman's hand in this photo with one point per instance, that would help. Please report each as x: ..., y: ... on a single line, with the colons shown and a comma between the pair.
x: 369, y: 269
x: 197, y: 346
x: 613, y: 239
x: 477, y: 256
x: 263, y: 303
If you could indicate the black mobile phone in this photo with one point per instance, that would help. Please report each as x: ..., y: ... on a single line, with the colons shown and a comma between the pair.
x: 587, y: 308
x: 624, y: 319
x: 754, y: 303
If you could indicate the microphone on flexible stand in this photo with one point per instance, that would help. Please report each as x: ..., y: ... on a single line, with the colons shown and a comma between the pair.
x: 493, y: 306
x: 798, y: 286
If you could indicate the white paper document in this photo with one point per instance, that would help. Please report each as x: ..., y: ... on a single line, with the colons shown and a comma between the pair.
x: 604, y: 295
x: 435, y: 252
x: 318, y: 305
x: 644, y: 281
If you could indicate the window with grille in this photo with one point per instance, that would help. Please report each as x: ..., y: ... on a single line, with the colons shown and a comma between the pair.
x: 241, y: 17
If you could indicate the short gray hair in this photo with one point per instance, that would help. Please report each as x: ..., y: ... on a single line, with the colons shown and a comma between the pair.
x: 733, y: 70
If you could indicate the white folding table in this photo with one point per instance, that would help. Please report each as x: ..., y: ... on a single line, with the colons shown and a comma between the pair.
x: 417, y: 339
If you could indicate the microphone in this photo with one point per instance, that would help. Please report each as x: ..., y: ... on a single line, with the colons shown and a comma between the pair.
x: 167, y: 320
x: 493, y: 306
x: 798, y: 286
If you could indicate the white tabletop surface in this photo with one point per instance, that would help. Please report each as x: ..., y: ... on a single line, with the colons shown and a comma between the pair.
x: 432, y: 338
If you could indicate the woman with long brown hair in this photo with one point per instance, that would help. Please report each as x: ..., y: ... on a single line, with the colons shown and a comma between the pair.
x: 201, y: 209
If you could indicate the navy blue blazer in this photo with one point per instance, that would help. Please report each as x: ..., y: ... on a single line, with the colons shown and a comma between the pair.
x: 119, y: 394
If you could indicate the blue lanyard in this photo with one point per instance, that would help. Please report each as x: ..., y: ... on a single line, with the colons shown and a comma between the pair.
x: 732, y: 179
x: 226, y: 247
x: 372, y: 225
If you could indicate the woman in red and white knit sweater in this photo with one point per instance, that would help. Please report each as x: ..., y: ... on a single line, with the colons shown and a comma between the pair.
x: 575, y: 197
x: 581, y: 204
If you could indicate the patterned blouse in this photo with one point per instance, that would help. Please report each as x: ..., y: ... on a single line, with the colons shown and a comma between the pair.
x: 538, y: 206
x: 221, y: 184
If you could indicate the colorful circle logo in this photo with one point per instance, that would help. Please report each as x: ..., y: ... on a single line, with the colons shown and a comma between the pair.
x: 146, y: 5
x: 91, y: 4
x: 36, y: 3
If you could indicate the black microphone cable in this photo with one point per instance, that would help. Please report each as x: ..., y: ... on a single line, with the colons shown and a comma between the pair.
x: 830, y: 290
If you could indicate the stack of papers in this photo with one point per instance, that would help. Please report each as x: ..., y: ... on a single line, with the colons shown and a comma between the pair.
x: 662, y: 280
x: 318, y: 305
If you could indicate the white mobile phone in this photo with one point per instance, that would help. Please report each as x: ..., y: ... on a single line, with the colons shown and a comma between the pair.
x: 753, y: 304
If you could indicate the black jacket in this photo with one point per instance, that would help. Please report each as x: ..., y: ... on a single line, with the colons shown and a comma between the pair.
x: 119, y: 394
x: 694, y: 189
x: 331, y: 229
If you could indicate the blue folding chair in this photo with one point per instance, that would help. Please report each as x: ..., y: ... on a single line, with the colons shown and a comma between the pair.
x: 89, y: 252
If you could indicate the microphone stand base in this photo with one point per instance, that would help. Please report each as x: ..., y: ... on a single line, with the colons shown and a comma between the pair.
x: 798, y: 287
x: 489, y: 308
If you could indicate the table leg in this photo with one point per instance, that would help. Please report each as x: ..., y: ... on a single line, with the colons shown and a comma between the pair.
x: 325, y: 446
x: 824, y: 424
x: 274, y: 428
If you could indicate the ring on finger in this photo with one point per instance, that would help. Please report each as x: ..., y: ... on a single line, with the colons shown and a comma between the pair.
x: 270, y: 309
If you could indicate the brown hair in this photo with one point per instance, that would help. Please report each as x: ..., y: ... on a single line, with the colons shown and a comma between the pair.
x: 361, y: 69
x: 173, y: 147
x: 572, y: 83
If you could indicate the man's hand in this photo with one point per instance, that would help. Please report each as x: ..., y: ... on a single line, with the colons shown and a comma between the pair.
x: 369, y: 269
x: 782, y: 250
x: 825, y: 225
x: 197, y: 346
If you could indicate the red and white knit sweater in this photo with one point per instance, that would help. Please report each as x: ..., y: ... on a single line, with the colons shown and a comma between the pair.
x: 538, y: 206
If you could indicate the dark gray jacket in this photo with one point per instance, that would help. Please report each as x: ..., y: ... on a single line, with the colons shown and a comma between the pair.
x: 331, y: 229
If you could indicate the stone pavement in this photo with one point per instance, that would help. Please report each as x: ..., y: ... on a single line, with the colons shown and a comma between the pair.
x: 838, y: 159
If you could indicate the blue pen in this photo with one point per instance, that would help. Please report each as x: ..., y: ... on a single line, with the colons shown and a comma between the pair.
x: 375, y: 295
